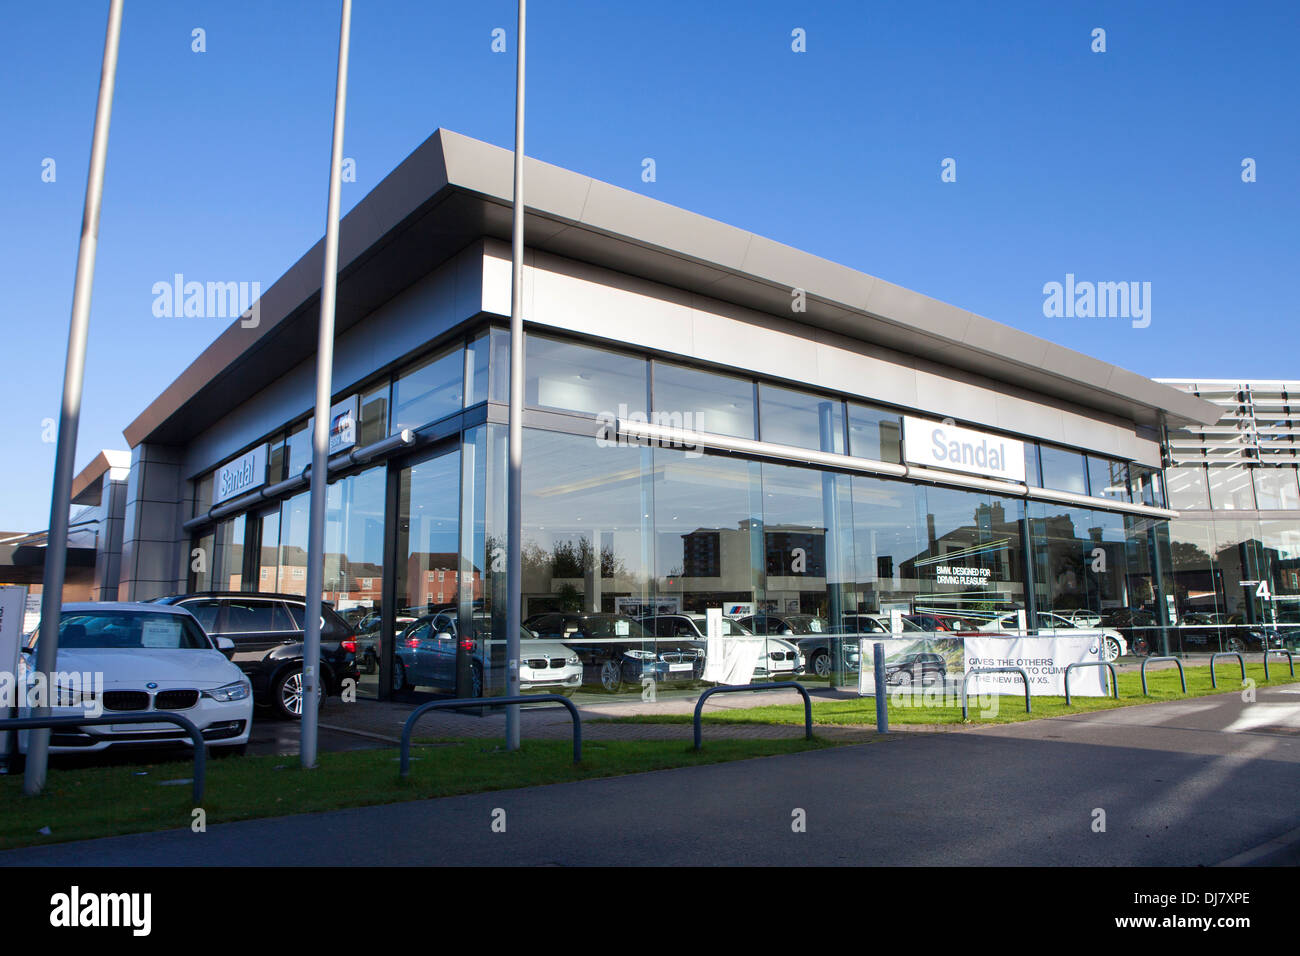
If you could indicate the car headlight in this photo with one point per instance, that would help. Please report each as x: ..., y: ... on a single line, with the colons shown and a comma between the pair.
x: 574, y: 660
x: 227, y: 692
x: 640, y: 655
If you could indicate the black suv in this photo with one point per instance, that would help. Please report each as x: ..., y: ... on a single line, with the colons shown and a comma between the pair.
x: 924, y: 666
x: 268, y: 631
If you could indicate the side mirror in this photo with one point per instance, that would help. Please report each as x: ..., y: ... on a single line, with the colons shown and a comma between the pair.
x: 226, y: 646
x: 535, y: 633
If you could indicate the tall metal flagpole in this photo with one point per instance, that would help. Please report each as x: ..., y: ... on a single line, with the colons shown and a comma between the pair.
x: 56, y: 546
x: 514, y: 508
x: 321, y: 431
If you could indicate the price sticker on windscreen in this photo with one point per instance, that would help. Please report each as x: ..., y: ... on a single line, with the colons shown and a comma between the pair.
x: 160, y: 634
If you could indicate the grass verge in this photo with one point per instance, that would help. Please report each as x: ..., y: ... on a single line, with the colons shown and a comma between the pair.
x: 89, y: 802
x: 930, y: 709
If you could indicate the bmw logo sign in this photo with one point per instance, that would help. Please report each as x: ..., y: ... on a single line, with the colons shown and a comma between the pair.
x: 152, y: 685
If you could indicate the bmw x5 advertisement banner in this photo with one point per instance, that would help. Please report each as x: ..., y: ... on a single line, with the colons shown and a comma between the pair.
x: 943, y: 662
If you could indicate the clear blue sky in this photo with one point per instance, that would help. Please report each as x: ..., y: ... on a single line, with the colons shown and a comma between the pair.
x: 1117, y: 166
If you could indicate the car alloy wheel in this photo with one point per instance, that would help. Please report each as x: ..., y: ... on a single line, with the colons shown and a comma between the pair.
x: 399, y: 676
x: 289, y: 694
x: 903, y: 677
x: 1237, y: 644
x: 1112, y: 649
x: 476, y: 681
x: 611, y: 676
x: 822, y: 665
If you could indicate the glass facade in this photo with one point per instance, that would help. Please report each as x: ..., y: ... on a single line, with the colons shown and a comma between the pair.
x: 628, y: 545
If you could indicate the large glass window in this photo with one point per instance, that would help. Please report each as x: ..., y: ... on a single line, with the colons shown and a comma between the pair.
x: 704, y: 521
x: 1231, y: 489
x: 292, y: 562
x: 703, y: 401
x: 354, y: 553
x: 201, y: 569
x: 230, y: 554
x: 429, y: 390
x: 788, y: 417
x: 1275, y: 488
x: 488, y: 368
x: 969, y: 569
x: 1063, y: 469
x: 427, y: 577
x: 886, y: 543
x: 373, y: 426
x: 1188, y: 488
x: 297, y: 449
x: 875, y: 433
x: 580, y: 378
x: 1108, y: 478
x: 1033, y: 467
x: 268, y: 565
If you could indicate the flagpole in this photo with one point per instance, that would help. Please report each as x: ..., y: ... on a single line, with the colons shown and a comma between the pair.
x: 514, y: 508
x: 56, y: 546
x: 321, y: 430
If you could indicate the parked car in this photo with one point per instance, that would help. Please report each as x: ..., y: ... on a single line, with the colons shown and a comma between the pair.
x: 1206, y: 631
x: 616, y: 650
x: 368, y: 637
x: 923, y: 666
x: 267, y: 632
x: 428, y: 652
x: 1055, y: 625
x: 787, y: 625
x: 152, y: 658
x: 690, y: 626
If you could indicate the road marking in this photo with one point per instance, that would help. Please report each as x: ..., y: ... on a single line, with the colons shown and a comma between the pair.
x: 1247, y: 857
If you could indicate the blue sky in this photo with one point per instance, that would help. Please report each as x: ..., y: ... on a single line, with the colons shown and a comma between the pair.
x: 1115, y: 166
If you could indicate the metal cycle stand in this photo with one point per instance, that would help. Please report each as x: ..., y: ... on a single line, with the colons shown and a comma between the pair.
x: 1278, y: 650
x: 164, y: 717
x: 1214, y: 680
x: 1114, y: 679
x: 738, y: 688
x: 1182, y: 675
x: 460, y: 702
x: 965, y: 682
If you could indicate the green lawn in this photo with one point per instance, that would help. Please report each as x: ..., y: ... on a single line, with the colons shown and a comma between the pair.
x: 1163, y: 685
x: 86, y: 802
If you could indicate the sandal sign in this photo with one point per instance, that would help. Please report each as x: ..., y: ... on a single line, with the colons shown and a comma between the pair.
x: 940, y: 445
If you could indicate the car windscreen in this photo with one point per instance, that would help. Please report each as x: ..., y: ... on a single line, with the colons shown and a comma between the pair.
x: 805, y: 624
x: 611, y: 626
x: 129, y: 630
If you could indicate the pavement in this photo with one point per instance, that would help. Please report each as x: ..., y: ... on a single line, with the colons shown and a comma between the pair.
x: 1199, y: 782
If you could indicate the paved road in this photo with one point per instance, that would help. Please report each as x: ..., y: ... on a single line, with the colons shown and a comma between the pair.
x: 1195, y: 782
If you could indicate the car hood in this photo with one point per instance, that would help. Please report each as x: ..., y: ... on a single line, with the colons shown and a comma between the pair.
x: 134, y: 666
x: 545, y: 648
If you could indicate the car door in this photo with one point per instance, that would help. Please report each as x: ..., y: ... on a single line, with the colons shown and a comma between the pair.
x: 255, y: 625
x: 442, y: 650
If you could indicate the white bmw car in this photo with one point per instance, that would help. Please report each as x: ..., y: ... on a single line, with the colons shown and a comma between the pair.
x: 1057, y: 625
x: 132, y: 659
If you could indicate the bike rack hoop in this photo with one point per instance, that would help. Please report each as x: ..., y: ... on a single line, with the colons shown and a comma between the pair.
x: 738, y: 688
x: 458, y: 702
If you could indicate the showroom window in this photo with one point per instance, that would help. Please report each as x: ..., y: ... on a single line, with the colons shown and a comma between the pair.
x: 1063, y: 470
x: 1146, y: 485
x: 875, y: 433
x: 373, y: 425
x: 1033, y: 467
x: 1108, y: 478
x: 429, y: 390
x: 706, y: 402
x: 1276, y: 489
x: 578, y: 378
x: 788, y: 417
x: 1188, y: 488
x: 1231, y: 489
x: 488, y: 368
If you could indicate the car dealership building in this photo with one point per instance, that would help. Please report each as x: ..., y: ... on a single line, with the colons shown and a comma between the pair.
x: 711, y: 419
